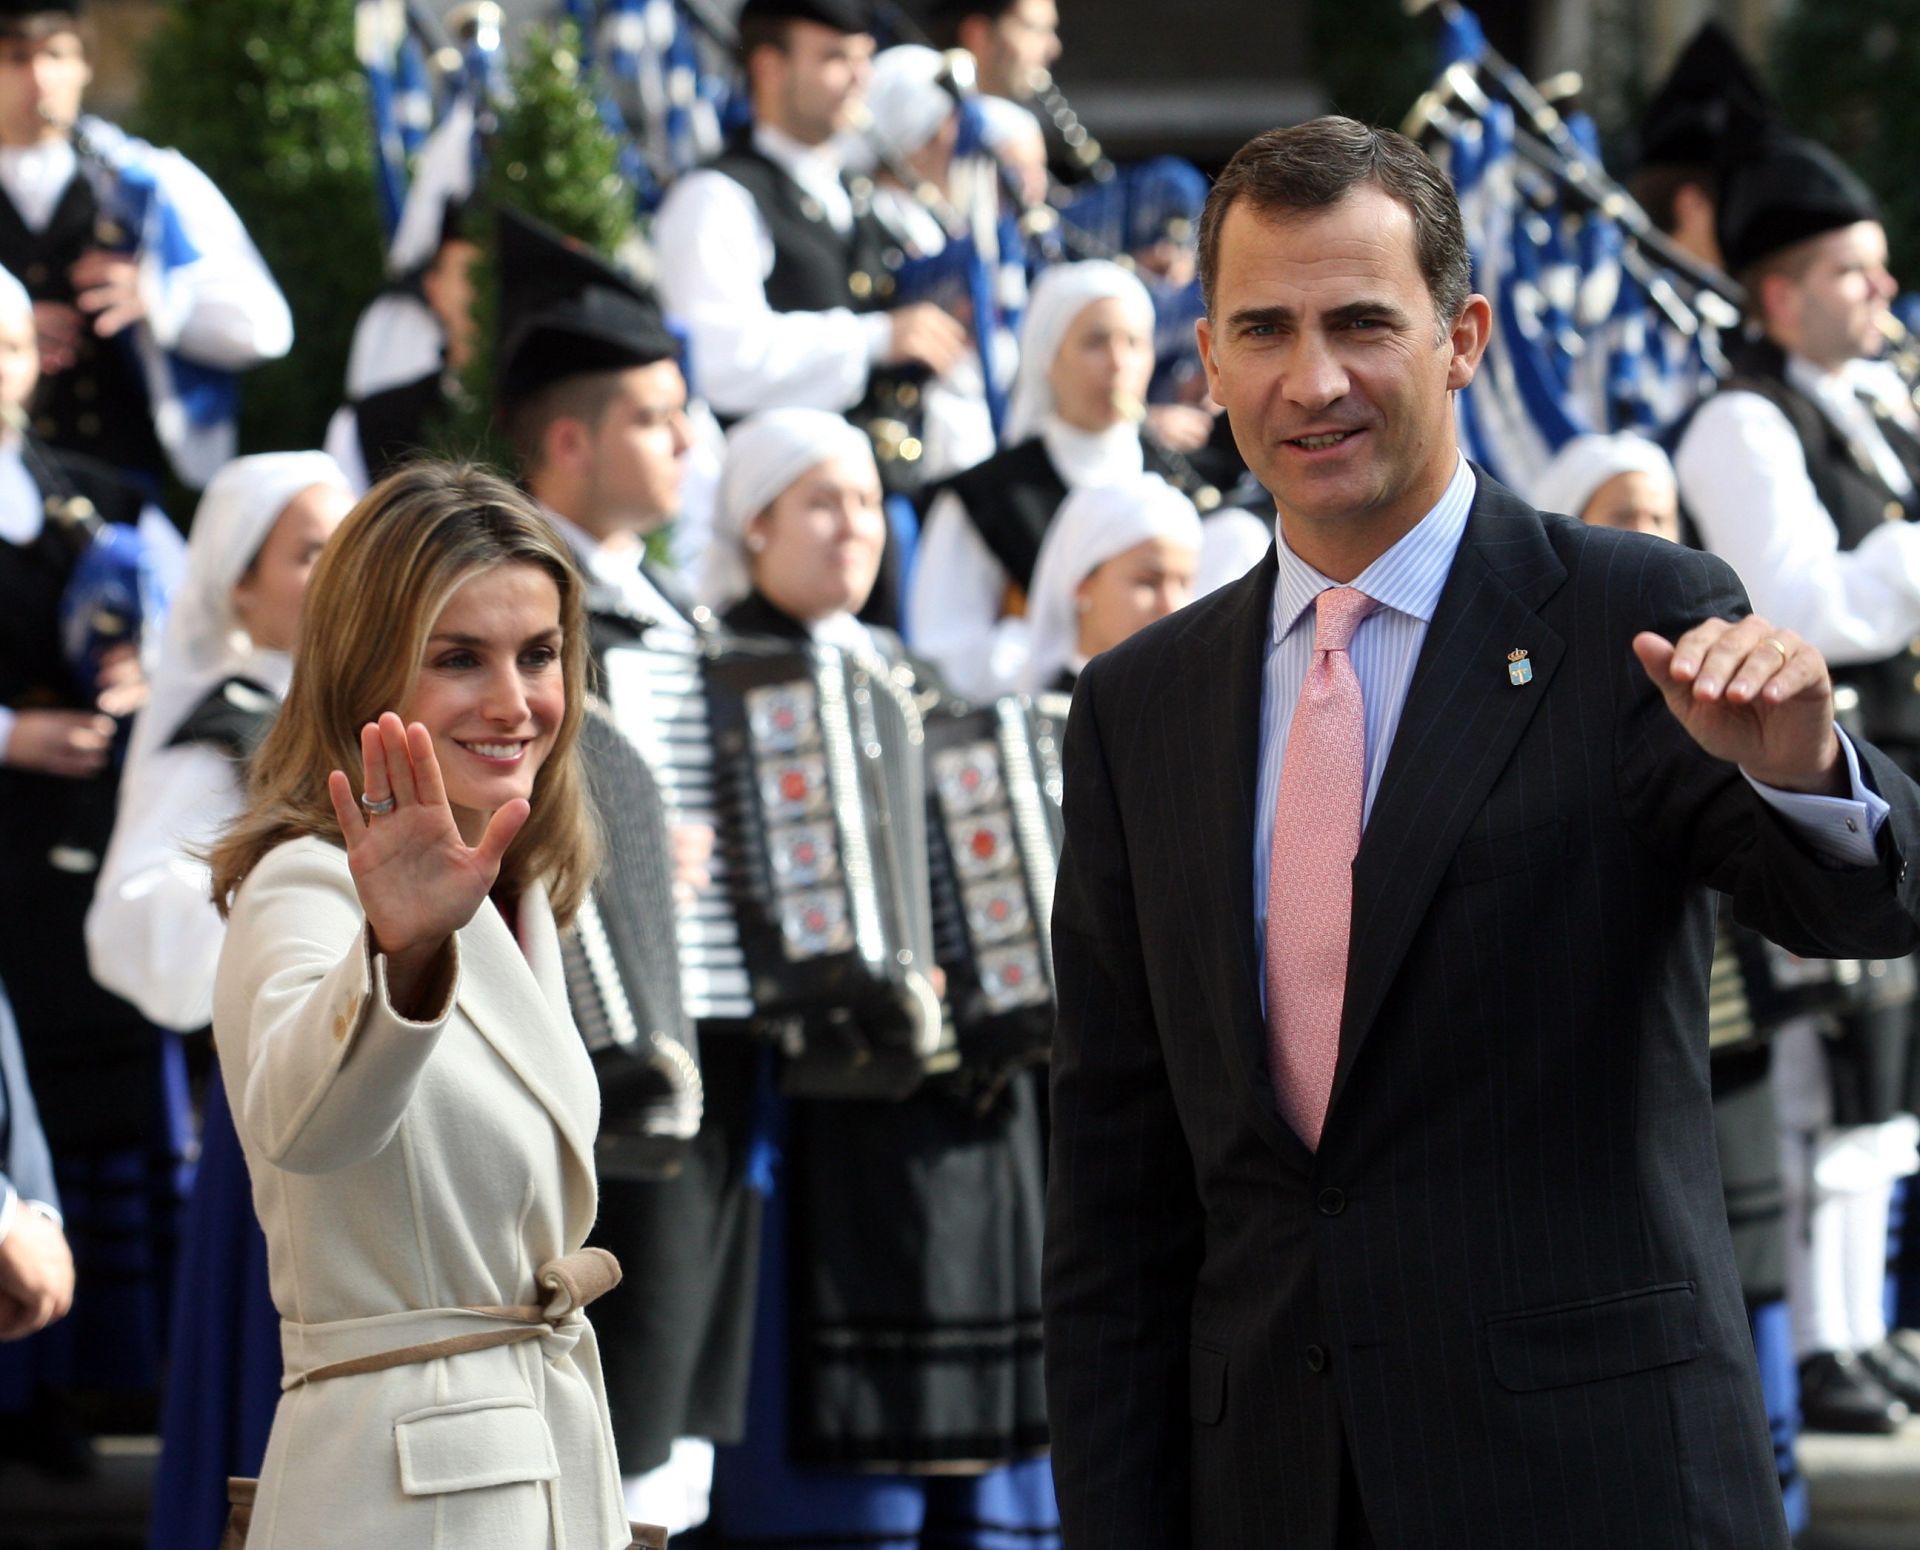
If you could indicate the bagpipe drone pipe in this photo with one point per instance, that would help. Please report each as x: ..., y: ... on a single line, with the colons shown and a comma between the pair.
x: 1600, y: 322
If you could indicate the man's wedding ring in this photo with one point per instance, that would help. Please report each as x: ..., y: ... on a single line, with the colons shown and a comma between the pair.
x: 375, y: 809
x: 1784, y: 653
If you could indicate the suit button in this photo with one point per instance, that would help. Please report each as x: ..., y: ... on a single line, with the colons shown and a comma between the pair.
x: 1332, y: 1202
x: 1316, y: 1358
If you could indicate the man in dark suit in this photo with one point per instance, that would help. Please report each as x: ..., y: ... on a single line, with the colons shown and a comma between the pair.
x: 1384, y: 1207
x: 36, y: 1267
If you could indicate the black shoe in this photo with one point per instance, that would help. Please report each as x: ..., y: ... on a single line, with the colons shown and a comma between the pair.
x: 1897, y: 1369
x: 1839, y: 1394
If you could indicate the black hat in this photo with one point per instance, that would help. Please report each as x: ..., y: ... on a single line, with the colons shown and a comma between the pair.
x: 840, y: 15
x: 21, y: 10
x: 1782, y: 190
x: 1688, y: 120
x: 565, y: 312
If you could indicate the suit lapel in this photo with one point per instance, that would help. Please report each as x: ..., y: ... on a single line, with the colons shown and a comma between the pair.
x: 1225, y: 719
x: 1462, y: 720
x: 516, y: 1000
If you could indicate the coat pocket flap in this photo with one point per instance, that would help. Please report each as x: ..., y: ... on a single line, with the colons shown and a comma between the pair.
x: 1605, y: 1337
x: 477, y: 1443
x: 1206, y: 1384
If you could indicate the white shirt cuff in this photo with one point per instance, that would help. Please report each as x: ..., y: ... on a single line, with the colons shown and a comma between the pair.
x: 879, y: 327
x: 1840, y: 830
x: 9, y: 1208
x: 6, y: 731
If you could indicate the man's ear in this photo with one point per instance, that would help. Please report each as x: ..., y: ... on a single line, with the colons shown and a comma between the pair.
x: 1203, y: 336
x: 567, y: 444
x: 1468, y: 341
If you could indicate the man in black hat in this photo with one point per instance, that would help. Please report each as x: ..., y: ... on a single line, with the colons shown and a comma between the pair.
x: 113, y: 316
x: 594, y: 401
x: 771, y: 257
x: 1805, y: 474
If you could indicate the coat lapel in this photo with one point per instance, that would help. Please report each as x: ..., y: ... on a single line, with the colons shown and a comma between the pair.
x: 1462, y: 720
x: 518, y: 1003
x: 1225, y: 709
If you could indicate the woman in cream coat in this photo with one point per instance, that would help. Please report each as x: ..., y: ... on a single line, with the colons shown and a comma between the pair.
x: 416, y: 1108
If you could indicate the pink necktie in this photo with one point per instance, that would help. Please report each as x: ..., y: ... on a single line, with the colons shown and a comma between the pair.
x: 1316, y: 834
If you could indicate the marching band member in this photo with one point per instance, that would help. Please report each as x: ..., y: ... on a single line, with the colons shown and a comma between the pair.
x: 112, y: 1096
x: 417, y: 1109
x: 1086, y: 353
x: 895, y: 1389
x: 772, y: 262
x: 1811, y: 492
x: 594, y: 402
x: 132, y: 322
x: 1118, y: 557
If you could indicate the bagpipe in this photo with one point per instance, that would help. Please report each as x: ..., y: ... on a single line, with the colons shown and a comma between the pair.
x: 1601, y: 323
x: 882, y: 871
x: 116, y: 594
x: 417, y: 66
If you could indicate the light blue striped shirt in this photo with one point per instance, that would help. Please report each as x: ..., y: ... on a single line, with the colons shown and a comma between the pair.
x: 1406, y: 582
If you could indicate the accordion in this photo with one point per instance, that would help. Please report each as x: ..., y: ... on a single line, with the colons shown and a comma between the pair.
x: 816, y: 926
x: 995, y: 832
x: 622, y: 979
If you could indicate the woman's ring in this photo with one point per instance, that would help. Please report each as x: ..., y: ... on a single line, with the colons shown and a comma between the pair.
x: 375, y: 809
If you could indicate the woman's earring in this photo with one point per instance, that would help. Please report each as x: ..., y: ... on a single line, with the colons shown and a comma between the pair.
x: 756, y: 543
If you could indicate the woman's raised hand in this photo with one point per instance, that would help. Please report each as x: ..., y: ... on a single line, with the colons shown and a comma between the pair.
x: 418, y: 879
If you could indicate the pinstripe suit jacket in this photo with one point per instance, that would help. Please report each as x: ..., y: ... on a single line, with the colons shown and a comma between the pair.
x: 1504, y: 1282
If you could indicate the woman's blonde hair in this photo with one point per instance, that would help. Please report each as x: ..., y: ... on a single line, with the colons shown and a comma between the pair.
x: 378, y: 589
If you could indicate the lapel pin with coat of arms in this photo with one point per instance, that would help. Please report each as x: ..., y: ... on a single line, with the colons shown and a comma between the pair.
x: 1519, y: 669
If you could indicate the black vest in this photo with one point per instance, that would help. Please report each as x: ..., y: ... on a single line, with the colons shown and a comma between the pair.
x: 99, y: 405
x: 815, y: 269
x: 1858, y: 502
x: 400, y: 422
x: 1012, y: 498
x: 233, y: 717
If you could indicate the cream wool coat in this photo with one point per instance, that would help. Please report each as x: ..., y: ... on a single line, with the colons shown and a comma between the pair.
x: 405, y: 1172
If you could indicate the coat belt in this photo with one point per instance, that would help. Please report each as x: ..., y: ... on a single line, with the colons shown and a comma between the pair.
x: 364, y: 1345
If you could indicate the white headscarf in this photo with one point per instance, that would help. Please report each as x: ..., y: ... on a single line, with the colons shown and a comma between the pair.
x: 1059, y: 296
x: 1004, y: 121
x: 1092, y: 526
x: 906, y: 100
x: 204, y: 641
x: 14, y: 300
x: 765, y: 454
x: 1579, y: 468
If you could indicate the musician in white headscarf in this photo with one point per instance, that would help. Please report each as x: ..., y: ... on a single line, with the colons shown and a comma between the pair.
x: 797, y: 531
x: 1622, y: 480
x: 896, y: 1440
x: 153, y: 935
x: 1086, y: 354
x: 1117, y: 558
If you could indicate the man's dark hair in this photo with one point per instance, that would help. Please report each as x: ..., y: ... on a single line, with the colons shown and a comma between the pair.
x: 584, y: 397
x: 1317, y: 164
x: 758, y: 32
x: 1656, y: 189
x: 38, y: 26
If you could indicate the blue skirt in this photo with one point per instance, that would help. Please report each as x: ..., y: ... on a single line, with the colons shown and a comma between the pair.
x: 761, y: 1500
x: 225, y: 1377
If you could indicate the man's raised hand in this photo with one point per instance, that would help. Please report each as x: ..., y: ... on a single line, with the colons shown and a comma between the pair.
x: 1754, y: 695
